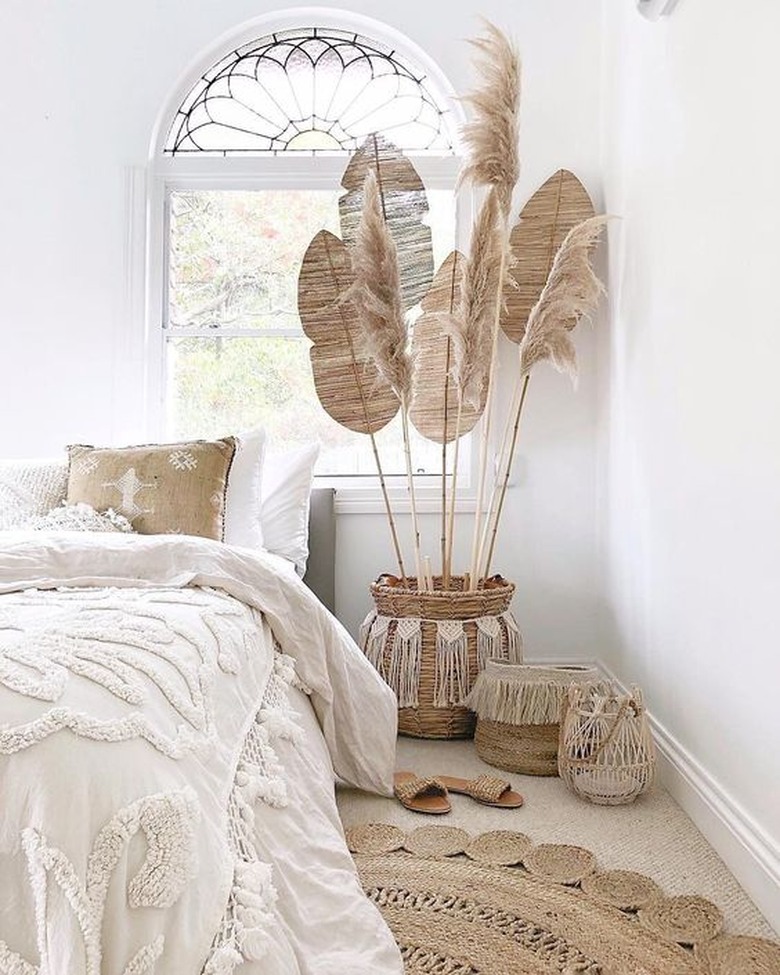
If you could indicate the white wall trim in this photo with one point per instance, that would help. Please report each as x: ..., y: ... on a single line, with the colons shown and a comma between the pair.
x: 744, y: 846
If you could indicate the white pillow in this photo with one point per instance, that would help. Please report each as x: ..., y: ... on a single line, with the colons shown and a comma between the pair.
x: 286, y: 491
x: 29, y: 488
x: 243, y: 520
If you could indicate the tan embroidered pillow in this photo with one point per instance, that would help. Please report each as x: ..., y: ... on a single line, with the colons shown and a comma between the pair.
x: 160, y: 488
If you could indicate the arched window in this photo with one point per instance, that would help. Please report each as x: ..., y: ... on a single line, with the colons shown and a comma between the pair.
x: 314, y: 89
x: 246, y: 171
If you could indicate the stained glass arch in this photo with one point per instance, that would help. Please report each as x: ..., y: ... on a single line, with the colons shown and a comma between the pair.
x: 314, y: 90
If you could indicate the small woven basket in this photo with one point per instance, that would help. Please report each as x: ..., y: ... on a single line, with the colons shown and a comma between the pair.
x: 518, y: 710
x: 606, y: 752
x: 430, y: 646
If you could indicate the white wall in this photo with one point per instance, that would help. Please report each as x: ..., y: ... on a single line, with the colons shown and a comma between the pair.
x: 690, y: 393
x: 88, y: 79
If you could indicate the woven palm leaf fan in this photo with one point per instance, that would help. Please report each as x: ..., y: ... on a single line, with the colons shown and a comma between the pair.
x: 557, y: 206
x: 405, y: 207
x: 435, y: 404
x: 347, y: 381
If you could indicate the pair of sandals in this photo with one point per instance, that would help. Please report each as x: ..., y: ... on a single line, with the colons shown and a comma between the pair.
x: 431, y: 795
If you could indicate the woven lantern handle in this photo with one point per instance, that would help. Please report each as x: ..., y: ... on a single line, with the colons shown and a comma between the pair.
x: 619, y: 718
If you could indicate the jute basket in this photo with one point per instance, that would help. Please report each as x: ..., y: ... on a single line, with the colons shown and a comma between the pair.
x: 518, y: 710
x: 606, y: 752
x: 430, y: 646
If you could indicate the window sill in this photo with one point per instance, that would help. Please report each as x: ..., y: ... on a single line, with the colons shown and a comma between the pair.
x: 368, y: 502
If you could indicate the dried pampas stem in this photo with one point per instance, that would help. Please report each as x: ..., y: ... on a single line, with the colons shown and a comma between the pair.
x: 453, y: 493
x: 445, y: 572
x: 506, y: 467
x: 572, y: 290
x: 421, y: 586
x: 491, y: 341
x: 474, y: 331
x: 377, y: 295
x: 492, y: 137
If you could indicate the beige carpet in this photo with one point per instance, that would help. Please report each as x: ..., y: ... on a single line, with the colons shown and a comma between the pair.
x: 652, y: 836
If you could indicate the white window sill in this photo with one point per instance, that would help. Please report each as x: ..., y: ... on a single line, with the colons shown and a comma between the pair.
x: 369, y: 502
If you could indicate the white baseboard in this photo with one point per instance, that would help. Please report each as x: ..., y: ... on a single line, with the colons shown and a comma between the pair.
x: 746, y: 849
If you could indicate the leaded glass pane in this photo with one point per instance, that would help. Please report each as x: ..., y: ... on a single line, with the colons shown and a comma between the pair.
x: 313, y: 89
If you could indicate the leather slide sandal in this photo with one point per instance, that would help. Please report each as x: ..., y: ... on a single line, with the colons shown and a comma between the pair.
x: 486, y: 789
x: 421, y: 795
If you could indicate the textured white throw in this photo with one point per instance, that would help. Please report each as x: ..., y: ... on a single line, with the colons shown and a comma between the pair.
x: 142, y: 695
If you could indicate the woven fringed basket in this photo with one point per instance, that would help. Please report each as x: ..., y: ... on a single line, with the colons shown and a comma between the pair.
x: 430, y: 646
x: 606, y: 752
x: 518, y: 709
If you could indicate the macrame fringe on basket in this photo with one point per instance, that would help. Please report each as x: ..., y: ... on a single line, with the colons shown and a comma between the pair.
x: 518, y: 709
x: 430, y: 646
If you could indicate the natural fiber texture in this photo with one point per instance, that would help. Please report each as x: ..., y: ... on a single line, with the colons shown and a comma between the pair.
x: 412, y: 788
x: 554, y: 209
x: 624, y: 889
x: 688, y: 920
x: 377, y: 294
x: 524, y: 693
x: 437, y: 841
x: 499, y: 848
x: 374, y: 838
x: 606, y: 752
x: 572, y: 290
x: 435, y: 349
x: 429, y: 647
x: 531, y: 749
x: 560, y: 863
x: 472, y: 334
x: 348, y: 383
x: 739, y: 955
x: 518, y: 708
x: 404, y: 208
x: 491, y: 138
x: 454, y: 915
x: 487, y: 788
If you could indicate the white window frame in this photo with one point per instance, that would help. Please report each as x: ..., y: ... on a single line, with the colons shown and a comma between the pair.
x: 287, y: 170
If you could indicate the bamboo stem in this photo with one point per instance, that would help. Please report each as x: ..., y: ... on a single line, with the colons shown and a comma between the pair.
x: 445, y: 576
x: 454, y: 491
x: 505, y: 479
x: 494, y: 492
x: 389, y: 511
x: 412, y: 500
x: 486, y: 424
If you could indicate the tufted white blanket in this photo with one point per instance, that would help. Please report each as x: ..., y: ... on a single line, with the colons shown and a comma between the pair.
x: 144, y: 686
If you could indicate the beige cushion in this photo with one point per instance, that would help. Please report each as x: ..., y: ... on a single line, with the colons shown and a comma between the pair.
x: 160, y: 488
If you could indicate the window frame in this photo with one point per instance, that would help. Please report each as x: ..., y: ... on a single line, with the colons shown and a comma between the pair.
x: 284, y: 170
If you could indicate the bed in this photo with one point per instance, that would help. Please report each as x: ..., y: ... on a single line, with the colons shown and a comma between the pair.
x: 173, y: 712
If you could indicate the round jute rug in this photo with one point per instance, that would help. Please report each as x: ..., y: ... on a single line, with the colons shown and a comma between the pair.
x: 454, y: 914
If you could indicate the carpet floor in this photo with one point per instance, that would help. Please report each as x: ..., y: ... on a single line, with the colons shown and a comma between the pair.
x: 652, y: 836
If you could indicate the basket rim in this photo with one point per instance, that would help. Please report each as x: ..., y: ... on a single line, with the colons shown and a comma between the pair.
x: 501, y: 586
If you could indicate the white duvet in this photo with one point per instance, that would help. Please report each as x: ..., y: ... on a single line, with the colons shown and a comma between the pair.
x: 162, y: 808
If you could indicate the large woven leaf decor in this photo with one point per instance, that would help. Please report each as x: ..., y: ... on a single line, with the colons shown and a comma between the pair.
x: 431, y: 415
x: 347, y: 381
x: 405, y: 206
x: 556, y: 207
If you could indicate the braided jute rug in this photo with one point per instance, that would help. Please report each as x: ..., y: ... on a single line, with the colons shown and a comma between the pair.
x: 498, y: 904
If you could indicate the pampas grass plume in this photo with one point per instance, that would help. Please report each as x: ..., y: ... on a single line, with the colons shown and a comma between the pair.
x: 472, y: 330
x: 491, y: 138
x: 377, y: 293
x: 572, y: 291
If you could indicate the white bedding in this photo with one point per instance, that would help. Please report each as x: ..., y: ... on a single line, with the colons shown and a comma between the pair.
x: 160, y: 809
